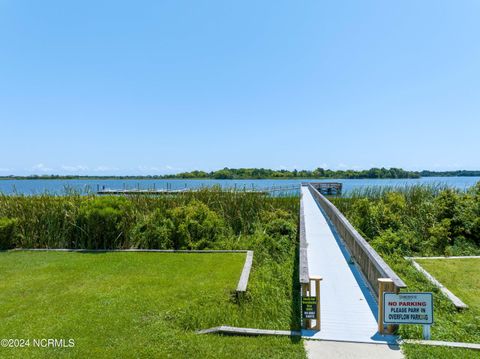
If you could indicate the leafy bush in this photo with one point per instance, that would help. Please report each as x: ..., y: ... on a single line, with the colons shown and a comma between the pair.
x: 196, y: 226
x: 279, y: 223
x: 275, y: 248
x: 7, y: 232
x: 417, y: 220
x: 391, y: 241
x: 101, y: 223
x: 155, y: 231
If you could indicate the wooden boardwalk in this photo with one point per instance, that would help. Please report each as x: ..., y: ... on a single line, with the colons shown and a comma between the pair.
x: 348, y: 308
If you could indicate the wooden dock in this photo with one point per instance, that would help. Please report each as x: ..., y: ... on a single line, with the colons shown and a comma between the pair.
x: 168, y: 191
x: 108, y: 191
x: 328, y: 188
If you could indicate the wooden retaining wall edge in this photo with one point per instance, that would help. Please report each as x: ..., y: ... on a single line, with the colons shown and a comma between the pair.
x: 224, y: 329
x: 132, y: 250
x: 452, y: 257
x: 474, y: 346
x: 243, y: 281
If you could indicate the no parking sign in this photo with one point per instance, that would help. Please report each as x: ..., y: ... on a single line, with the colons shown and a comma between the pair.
x: 408, y: 308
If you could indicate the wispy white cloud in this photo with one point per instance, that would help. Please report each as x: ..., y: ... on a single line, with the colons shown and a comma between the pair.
x: 40, y: 167
x: 105, y: 169
x: 3, y: 169
x: 149, y: 168
x: 76, y: 168
x: 165, y: 168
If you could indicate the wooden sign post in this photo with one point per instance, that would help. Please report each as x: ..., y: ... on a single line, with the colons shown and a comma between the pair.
x: 384, y: 285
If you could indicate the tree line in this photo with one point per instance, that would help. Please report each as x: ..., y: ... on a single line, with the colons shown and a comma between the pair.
x: 265, y: 173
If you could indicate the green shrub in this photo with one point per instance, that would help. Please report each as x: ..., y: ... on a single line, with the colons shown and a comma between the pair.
x: 7, y: 232
x: 440, y: 237
x: 417, y: 220
x: 155, y: 231
x: 196, y: 226
x: 363, y: 217
x: 391, y: 241
x: 277, y: 248
x: 279, y: 223
x: 101, y: 223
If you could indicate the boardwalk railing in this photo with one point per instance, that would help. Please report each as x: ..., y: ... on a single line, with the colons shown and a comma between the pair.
x: 303, y: 255
x: 371, y: 264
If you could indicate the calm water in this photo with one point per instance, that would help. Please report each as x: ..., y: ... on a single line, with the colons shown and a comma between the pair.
x: 30, y: 187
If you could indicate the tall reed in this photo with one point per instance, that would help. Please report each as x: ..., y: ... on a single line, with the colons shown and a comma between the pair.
x: 76, y: 220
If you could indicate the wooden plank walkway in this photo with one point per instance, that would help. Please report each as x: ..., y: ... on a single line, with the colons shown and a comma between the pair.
x: 348, y: 309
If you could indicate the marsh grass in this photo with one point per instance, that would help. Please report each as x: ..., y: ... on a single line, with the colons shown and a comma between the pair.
x: 416, y: 220
x: 48, y: 221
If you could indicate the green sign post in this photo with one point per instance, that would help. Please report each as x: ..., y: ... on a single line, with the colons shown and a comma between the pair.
x: 309, y: 307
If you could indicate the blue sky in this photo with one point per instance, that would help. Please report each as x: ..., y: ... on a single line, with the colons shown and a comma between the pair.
x: 137, y: 87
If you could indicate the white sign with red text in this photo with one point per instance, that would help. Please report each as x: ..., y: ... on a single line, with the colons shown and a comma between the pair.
x: 408, y: 308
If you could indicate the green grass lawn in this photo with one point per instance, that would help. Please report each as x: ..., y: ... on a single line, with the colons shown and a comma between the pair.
x: 462, y: 277
x: 136, y: 305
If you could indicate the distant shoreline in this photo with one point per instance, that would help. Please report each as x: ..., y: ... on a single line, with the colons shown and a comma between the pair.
x: 266, y: 174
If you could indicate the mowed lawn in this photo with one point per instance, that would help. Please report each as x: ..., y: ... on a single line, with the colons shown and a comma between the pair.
x: 460, y: 276
x: 127, y: 305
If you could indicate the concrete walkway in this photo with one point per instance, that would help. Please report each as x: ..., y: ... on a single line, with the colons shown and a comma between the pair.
x: 328, y: 349
x: 348, y: 309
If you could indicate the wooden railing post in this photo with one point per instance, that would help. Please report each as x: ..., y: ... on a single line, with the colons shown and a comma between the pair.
x: 317, y: 280
x: 391, y: 328
x: 384, y: 285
